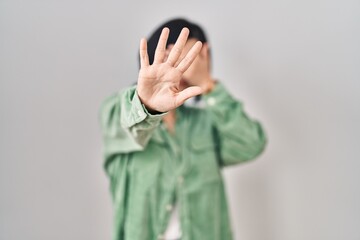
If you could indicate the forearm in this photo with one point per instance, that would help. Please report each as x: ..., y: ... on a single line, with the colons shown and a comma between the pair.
x: 126, y: 124
x: 240, y: 137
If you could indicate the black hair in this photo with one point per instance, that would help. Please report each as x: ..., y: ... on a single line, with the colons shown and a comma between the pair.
x: 175, y: 26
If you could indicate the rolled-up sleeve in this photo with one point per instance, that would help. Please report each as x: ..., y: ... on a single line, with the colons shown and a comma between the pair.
x: 126, y: 124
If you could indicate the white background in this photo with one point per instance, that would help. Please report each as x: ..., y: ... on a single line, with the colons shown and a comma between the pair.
x: 294, y: 64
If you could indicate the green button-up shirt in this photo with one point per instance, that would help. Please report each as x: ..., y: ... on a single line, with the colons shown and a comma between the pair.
x: 149, y: 169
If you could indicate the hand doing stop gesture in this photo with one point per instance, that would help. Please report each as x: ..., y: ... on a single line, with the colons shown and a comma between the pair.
x: 158, y: 84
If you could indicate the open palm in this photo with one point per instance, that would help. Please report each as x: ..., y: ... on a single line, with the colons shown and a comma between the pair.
x: 158, y: 84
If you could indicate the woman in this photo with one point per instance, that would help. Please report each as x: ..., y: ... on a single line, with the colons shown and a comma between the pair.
x: 164, y: 157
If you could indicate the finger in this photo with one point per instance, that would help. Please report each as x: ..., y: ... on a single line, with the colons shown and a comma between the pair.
x: 161, y: 46
x: 178, y: 47
x: 144, y: 58
x: 190, y: 57
x: 187, y: 93
x: 167, y: 51
x: 184, y: 52
x: 182, y: 56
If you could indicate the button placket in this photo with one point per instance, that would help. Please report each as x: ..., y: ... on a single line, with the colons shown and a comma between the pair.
x: 169, y: 207
x: 180, y: 180
x: 161, y: 236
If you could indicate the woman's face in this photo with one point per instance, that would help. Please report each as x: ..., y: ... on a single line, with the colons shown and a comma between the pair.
x: 200, y: 66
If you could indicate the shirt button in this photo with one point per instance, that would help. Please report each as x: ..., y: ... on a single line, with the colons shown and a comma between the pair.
x: 160, y: 236
x: 211, y: 101
x: 180, y: 179
x: 168, y: 207
x: 139, y: 112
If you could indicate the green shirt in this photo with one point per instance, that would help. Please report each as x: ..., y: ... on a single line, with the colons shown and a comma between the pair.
x: 149, y: 169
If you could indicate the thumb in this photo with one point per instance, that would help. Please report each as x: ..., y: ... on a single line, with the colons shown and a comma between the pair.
x: 187, y: 93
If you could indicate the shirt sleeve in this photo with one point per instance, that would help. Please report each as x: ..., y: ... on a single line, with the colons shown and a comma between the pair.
x: 126, y: 124
x: 239, y: 137
x: 126, y: 127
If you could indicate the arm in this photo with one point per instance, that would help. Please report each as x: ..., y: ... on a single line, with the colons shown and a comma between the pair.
x: 239, y: 137
x: 125, y: 123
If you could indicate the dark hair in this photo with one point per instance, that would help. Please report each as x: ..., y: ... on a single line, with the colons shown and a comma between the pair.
x: 175, y: 26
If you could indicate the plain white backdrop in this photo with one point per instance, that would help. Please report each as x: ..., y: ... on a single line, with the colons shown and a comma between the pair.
x: 294, y: 64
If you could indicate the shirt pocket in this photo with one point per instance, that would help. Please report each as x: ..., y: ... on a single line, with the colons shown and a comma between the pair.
x: 203, y: 157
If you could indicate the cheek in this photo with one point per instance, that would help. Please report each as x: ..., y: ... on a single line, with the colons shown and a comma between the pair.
x: 190, y: 72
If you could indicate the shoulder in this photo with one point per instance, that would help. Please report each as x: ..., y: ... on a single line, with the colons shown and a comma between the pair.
x: 117, y: 96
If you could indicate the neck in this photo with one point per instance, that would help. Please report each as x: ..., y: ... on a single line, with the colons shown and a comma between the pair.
x: 170, y: 120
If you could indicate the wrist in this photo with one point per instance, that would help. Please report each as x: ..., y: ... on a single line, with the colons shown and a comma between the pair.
x: 146, y: 106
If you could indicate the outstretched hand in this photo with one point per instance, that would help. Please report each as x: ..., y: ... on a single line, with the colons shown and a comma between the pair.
x: 158, y: 84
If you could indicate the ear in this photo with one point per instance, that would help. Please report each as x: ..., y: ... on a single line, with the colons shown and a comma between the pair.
x: 204, y: 53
